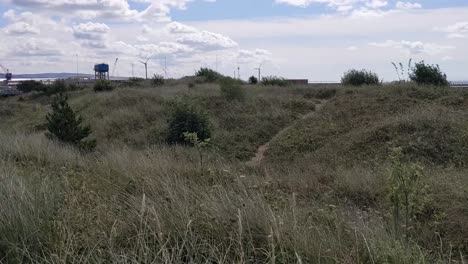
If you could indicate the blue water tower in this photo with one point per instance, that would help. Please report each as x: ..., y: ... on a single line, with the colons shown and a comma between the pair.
x: 101, y: 71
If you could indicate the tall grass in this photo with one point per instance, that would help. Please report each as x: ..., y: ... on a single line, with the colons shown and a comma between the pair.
x: 150, y: 203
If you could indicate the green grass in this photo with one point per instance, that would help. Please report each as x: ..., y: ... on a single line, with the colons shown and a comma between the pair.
x: 320, y: 195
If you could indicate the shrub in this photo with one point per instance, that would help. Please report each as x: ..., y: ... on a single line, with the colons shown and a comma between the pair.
x: 186, y: 118
x: 31, y: 86
x: 58, y: 86
x: 274, y: 81
x: 209, y: 74
x: 425, y: 74
x: 65, y: 126
x: 103, y: 85
x: 135, y: 81
x: 232, y: 90
x: 253, y: 80
x: 157, y: 80
x: 360, y: 77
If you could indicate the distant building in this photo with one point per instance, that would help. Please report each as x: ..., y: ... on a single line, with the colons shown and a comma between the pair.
x: 298, y: 81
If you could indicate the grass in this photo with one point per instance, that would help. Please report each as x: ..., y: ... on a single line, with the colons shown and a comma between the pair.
x: 320, y: 195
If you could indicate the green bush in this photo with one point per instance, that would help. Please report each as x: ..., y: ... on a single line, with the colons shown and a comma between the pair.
x: 157, y: 80
x: 135, y: 81
x: 274, y: 81
x: 425, y: 74
x: 187, y: 118
x: 65, y: 126
x: 253, y: 80
x: 209, y: 74
x: 31, y: 86
x: 360, y: 77
x: 103, y: 85
x: 232, y: 90
x: 58, y: 86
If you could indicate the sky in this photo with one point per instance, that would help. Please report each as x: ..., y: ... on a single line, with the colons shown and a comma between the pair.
x: 309, y: 39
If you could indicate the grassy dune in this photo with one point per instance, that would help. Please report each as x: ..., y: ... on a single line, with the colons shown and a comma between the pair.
x: 320, y: 195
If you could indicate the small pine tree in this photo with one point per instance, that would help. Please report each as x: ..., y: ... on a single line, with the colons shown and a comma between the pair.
x: 185, y: 117
x: 65, y: 126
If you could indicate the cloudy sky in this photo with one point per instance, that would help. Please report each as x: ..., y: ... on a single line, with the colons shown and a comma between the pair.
x: 314, y: 39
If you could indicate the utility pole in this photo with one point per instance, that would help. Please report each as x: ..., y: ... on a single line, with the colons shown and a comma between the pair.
x: 165, y: 67
x: 238, y: 72
x: 77, y: 70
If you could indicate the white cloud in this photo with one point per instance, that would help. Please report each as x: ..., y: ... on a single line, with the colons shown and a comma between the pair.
x: 90, y: 30
x: 179, y: 28
x: 457, y: 30
x: 407, y: 5
x: 414, y: 47
x: 254, y: 57
x: 338, y: 5
x: 37, y: 47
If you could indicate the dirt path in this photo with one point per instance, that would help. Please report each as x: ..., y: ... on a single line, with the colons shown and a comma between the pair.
x: 260, y: 155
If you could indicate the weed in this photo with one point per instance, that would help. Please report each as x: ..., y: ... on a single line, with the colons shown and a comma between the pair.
x: 157, y: 80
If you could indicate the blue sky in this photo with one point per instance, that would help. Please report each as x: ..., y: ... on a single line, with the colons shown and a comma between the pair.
x: 314, y: 39
x: 241, y: 9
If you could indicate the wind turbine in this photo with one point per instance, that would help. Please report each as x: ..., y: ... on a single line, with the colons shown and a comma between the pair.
x: 165, y: 67
x: 259, y: 71
x: 115, y: 66
x: 146, y: 67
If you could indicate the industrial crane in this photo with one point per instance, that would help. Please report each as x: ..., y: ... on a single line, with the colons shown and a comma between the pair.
x: 8, y: 74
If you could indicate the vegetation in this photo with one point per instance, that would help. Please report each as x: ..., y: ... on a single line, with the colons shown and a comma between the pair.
x: 403, y: 75
x: 186, y: 118
x: 347, y: 175
x: 253, y: 80
x: 157, y: 80
x: 274, y: 81
x: 360, y: 77
x: 425, y: 74
x: 232, y: 90
x: 209, y: 74
x: 200, y: 145
x: 65, y: 126
x: 31, y: 86
x: 103, y: 85
x: 57, y: 87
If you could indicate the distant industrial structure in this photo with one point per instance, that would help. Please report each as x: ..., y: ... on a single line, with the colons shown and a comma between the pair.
x: 8, y: 74
x: 101, y: 71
